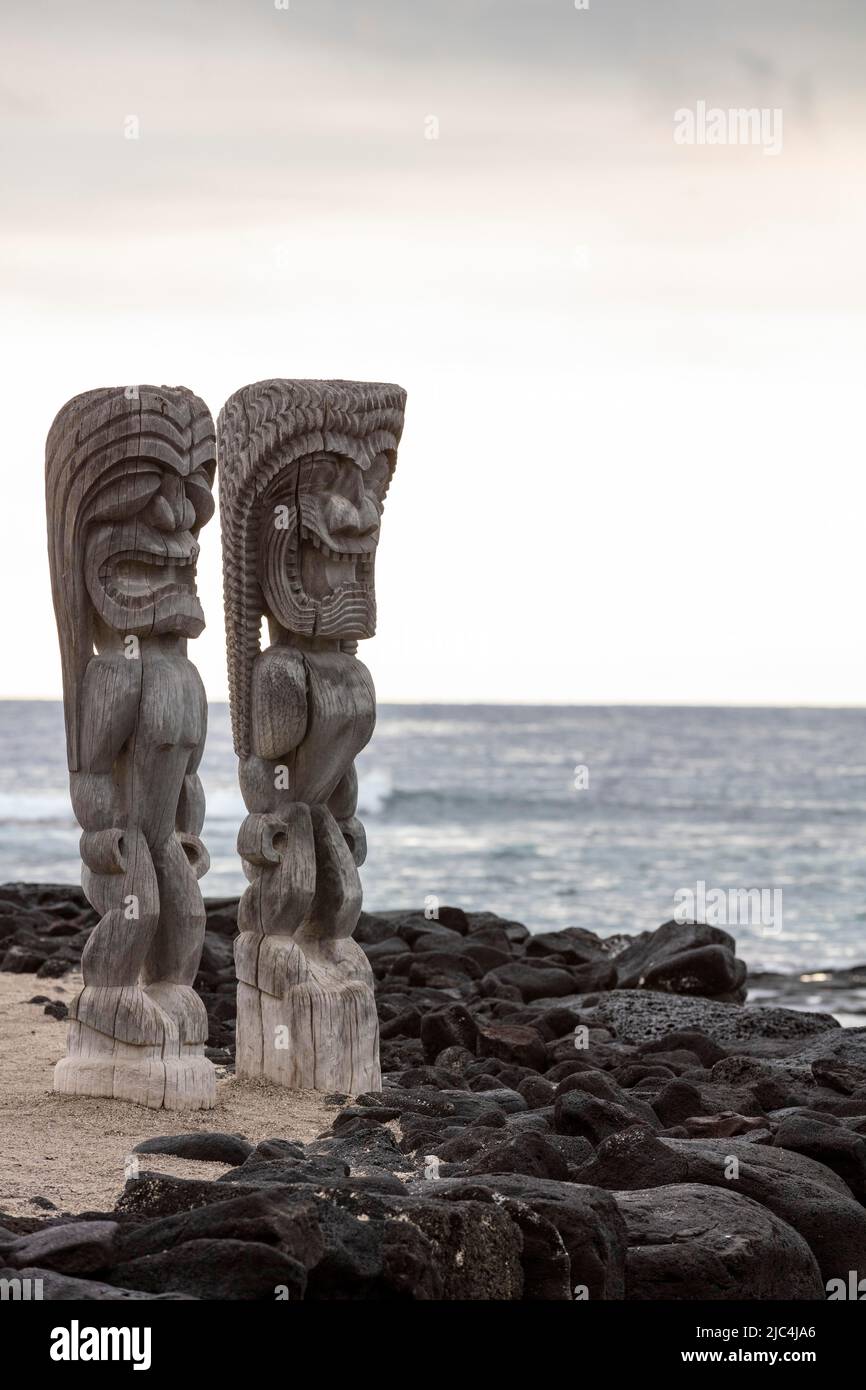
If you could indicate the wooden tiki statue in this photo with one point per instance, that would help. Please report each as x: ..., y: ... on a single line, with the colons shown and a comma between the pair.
x: 304, y: 467
x: 129, y: 476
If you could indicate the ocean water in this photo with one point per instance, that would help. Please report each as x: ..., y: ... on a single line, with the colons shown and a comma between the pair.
x: 554, y: 816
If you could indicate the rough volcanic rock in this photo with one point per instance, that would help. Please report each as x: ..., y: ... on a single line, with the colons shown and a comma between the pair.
x: 603, y: 1086
x: 453, y: 1026
x: 405, y: 1023
x: 512, y: 1042
x: 808, y: 1196
x: 725, y: 1125
x: 372, y: 929
x: 18, y: 960
x: 528, y: 1090
x: 216, y: 1269
x: 383, y: 953
x: 208, y: 1147
x: 76, y: 1247
x: 640, y: 1016
x: 571, y: 944
x: 843, y: 1045
x: 682, y: 958
x: 537, y: 1091
x: 531, y: 980
x: 586, y: 1218
x: 413, y: 1247
x: 493, y: 928
x: 530, y: 1154
x: 267, y: 1218
x: 159, y: 1194
x: 833, y: 1145
x: 690, y: 1241
x: 317, y: 1172
x: 544, y: 1260
x: 586, y: 1117
x: 707, y: 1051
x: 364, y: 1146
x: 682, y: 1100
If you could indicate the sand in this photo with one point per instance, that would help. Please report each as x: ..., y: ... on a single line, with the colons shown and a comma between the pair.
x: 74, y: 1150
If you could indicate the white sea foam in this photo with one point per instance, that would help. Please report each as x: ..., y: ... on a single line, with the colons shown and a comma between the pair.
x: 374, y: 788
x: 36, y: 806
x: 478, y: 807
x: 223, y: 803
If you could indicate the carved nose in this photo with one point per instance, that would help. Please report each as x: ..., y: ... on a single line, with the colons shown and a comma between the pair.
x: 171, y: 509
x: 343, y: 518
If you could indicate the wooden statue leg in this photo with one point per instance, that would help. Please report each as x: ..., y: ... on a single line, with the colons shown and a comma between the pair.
x: 279, y: 857
x: 306, y: 1013
x: 122, y: 1042
x: 169, y: 971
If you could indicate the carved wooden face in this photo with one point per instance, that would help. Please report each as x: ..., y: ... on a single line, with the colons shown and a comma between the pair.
x: 318, y: 536
x: 140, y: 545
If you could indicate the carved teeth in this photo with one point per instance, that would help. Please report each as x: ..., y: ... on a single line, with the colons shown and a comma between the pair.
x: 310, y: 538
x: 148, y: 557
x: 130, y: 577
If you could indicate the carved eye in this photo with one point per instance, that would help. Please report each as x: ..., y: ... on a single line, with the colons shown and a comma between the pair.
x: 378, y: 476
x: 323, y: 474
x: 198, y: 489
x: 126, y: 495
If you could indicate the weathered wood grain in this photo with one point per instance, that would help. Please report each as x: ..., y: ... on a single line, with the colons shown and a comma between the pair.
x: 304, y: 467
x: 129, y: 473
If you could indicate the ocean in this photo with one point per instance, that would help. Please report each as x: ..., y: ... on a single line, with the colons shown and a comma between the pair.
x: 606, y: 818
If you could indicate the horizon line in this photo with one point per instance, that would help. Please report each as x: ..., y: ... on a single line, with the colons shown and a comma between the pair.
x: 536, y: 704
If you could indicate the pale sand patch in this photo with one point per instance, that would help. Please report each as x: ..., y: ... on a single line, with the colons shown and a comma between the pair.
x: 73, y: 1149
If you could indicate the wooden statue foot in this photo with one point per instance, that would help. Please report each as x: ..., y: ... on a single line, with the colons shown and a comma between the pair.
x: 102, y: 1066
x: 311, y: 1039
x: 154, y: 1056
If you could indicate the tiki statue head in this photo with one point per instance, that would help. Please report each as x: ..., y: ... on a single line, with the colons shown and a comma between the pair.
x: 318, y: 532
x: 129, y: 472
x: 304, y: 469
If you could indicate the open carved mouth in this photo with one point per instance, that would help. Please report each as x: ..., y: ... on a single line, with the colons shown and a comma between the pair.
x: 321, y: 570
x: 142, y: 574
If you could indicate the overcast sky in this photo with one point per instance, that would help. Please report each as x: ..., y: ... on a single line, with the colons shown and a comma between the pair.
x: 632, y: 468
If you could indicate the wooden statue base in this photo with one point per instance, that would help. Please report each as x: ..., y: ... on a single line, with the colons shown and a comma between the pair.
x: 310, y: 1039
x: 187, y: 1082
x: 155, y: 1056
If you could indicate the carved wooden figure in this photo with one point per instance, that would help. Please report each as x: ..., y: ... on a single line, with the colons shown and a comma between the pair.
x: 304, y: 467
x: 129, y: 473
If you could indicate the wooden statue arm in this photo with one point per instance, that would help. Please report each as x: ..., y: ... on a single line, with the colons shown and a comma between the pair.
x: 262, y: 838
x: 108, y: 712
x: 279, y: 703
x: 343, y: 803
x: 191, y: 806
x: 189, y: 818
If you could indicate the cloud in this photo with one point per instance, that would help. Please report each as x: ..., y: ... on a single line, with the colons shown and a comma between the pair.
x: 614, y: 334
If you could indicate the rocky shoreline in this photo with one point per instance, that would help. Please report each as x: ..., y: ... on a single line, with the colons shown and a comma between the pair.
x: 562, y: 1117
